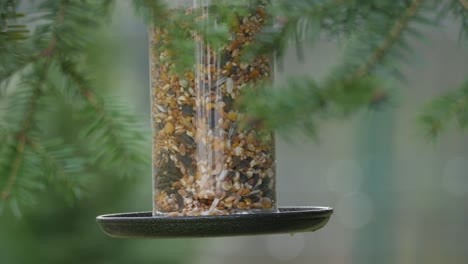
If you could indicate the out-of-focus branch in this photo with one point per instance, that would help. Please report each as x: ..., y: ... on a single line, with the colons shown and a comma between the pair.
x: 393, y: 36
x: 464, y: 3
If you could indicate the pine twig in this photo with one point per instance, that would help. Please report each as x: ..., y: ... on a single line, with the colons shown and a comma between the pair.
x: 42, y: 152
x: 15, y: 169
x: 392, y: 37
x: 21, y: 136
x: 89, y: 96
x: 9, y: 74
x: 27, y: 122
x: 111, y: 131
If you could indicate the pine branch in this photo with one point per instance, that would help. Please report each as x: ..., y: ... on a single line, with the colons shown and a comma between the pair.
x: 303, y: 101
x: 290, y: 21
x: 22, y: 135
x: 30, y: 111
x: 57, y: 44
x: 62, y: 164
x: 102, y: 126
x: 298, y: 21
x: 444, y: 109
x: 16, y: 67
x: 393, y: 36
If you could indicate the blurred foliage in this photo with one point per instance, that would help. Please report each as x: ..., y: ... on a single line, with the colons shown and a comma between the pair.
x: 70, y: 134
x: 47, y: 73
x: 64, y: 134
x: 11, y: 31
x: 451, y: 107
x: 55, y: 233
x: 376, y: 35
x: 317, y: 101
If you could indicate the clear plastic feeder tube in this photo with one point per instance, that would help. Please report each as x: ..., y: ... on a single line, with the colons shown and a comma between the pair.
x: 204, y: 162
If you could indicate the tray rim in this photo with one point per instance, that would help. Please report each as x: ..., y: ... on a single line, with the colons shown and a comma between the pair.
x: 308, y: 212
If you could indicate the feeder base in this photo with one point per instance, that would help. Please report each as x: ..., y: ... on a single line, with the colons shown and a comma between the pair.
x: 285, y: 220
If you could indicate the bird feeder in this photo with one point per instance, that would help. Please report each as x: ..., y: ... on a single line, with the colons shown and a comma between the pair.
x: 214, y: 174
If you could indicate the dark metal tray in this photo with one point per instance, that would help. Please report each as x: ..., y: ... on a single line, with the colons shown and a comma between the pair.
x: 145, y: 225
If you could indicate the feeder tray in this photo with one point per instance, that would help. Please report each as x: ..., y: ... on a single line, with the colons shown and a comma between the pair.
x: 145, y: 225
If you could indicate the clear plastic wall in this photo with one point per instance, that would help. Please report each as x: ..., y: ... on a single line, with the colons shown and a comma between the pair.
x: 204, y: 161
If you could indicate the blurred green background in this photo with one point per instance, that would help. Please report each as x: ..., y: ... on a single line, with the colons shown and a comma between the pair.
x: 397, y: 197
